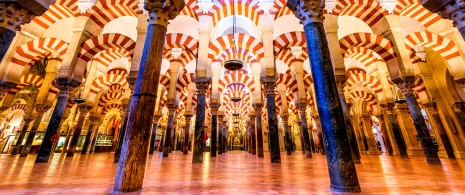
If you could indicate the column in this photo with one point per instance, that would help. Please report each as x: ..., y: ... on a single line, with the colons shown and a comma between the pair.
x: 287, y: 135
x: 131, y: 167
x: 387, y: 141
x: 156, y: 118
x: 214, y: 110
x: 220, y: 134
x: 83, y: 110
x: 319, y: 134
x: 169, y: 129
x: 443, y: 140
x: 202, y: 86
x: 40, y: 109
x: 94, y: 137
x: 402, y: 147
x: 122, y: 129
x: 186, y: 145
x: 341, y: 83
x: 54, y: 123
x: 408, y: 130
x: 254, y: 135
x: 304, y: 131
x: 272, y: 120
x: 458, y: 112
x: 369, y: 136
x: 341, y: 167
x: 26, y: 122
x: 420, y: 125
x: 258, y: 121
x: 93, y: 120
x: 225, y: 137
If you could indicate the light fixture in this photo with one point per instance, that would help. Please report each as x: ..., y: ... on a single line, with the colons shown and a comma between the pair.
x: 234, y: 64
x: 398, y: 96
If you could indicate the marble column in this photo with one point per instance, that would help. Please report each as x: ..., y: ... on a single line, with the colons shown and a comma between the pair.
x: 369, y: 136
x: 156, y: 118
x: 387, y: 141
x: 83, y: 110
x: 258, y: 122
x: 134, y: 152
x: 341, y: 167
x: 435, y: 119
x: 202, y: 86
x: 169, y: 129
x: 220, y: 134
x: 273, y: 131
x: 397, y: 134
x: 26, y: 122
x: 94, y: 138
x: 186, y: 145
x: 213, y: 136
x: 319, y: 134
x: 457, y: 107
x: 287, y: 135
x: 162, y: 141
x: 40, y: 109
x: 254, y: 136
x: 424, y: 136
x: 306, y: 137
x: 122, y: 129
x: 68, y: 135
x: 54, y: 123
x: 93, y: 120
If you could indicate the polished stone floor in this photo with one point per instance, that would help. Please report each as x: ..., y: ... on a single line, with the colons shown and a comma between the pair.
x: 232, y: 173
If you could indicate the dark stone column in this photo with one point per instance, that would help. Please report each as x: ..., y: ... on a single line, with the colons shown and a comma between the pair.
x: 341, y: 83
x: 54, y: 123
x: 306, y: 137
x: 169, y: 129
x: 186, y: 134
x: 134, y: 152
x: 287, y: 135
x: 220, y: 134
x: 319, y: 134
x: 441, y: 131
x: 225, y: 137
x: 202, y: 86
x: 122, y: 129
x: 420, y: 125
x: 258, y: 121
x: 341, y: 167
x: 94, y: 138
x: 93, y: 121
x: 214, y: 111
x: 156, y: 118
x: 13, y: 16
x: 253, y: 137
x: 40, y: 109
x: 275, y: 153
x: 387, y: 141
x: 458, y: 112
x: 83, y: 110
x: 396, y: 130
x: 26, y: 122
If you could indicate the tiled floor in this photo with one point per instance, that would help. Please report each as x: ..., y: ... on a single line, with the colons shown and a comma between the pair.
x: 231, y: 173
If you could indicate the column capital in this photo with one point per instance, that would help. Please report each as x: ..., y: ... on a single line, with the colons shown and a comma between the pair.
x: 431, y: 108
x: 202, y: 84
x: 307, y: 11
x: 162, y: 11
x: 84, y: 109
x: 258, y: 108
x: 285, y: 118
x: 340, y: 86
x: 214, y: 109
x: 171, y: 109
x: 13, y: 16
x: 94, y: 119
x: 65, y: 90
x: 456, y: 106
x: 156, y: 118
x: 41, y: 109
x: 406, y: 86
x: 453, y: 10
x: 269, y: 84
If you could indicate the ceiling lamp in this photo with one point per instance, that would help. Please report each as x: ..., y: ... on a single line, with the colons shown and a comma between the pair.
x: 234, y: 64
x: 398, y: 96
x: 79, y: 99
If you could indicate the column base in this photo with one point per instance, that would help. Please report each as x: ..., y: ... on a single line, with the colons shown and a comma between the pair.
x: 345, y: 189
x: 442, y: 154
x: 459, y: 154
x: 373, y: 151
x: 415, y: 152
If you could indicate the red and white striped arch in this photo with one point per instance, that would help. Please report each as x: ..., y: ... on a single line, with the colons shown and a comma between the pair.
x: 366, y: 96
x: 18, y: 107
x: 242, y: 107
x: 93, y: 46
x: 179, y: 40
x: 26, y: 80
x: 310, y: 100
x: 163, y: 99
x: 183, y: 59
x: 286, y: 56
x: 369, y: 81
x: 237, y: 90
x: 414, y: 10
x: 29, y: 53
x: 119, y: 71
x: 224, y: 8
x: 111, y: 97
x: 109, y: 107
x: 104, y: 11
x: 165, y: 79
x: 242, y: 41
x: 363, y: 55
x: 295, y: 38
x: 60, y: 10
x: 184, y: 79
x: 243, y: 54
x: 106, y: 81
x: 374, y: 42
x: 288, y: 80
x: 191, y: 9
x: 420, y: 89
x: 443, y: 46
x: 282, y: 10
x: 107, y: 56
x: 308, y: 80
x: 367, y: 10
x: 236, y: 78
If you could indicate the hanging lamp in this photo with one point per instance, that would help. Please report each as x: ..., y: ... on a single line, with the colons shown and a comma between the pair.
x: 234, y: 64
